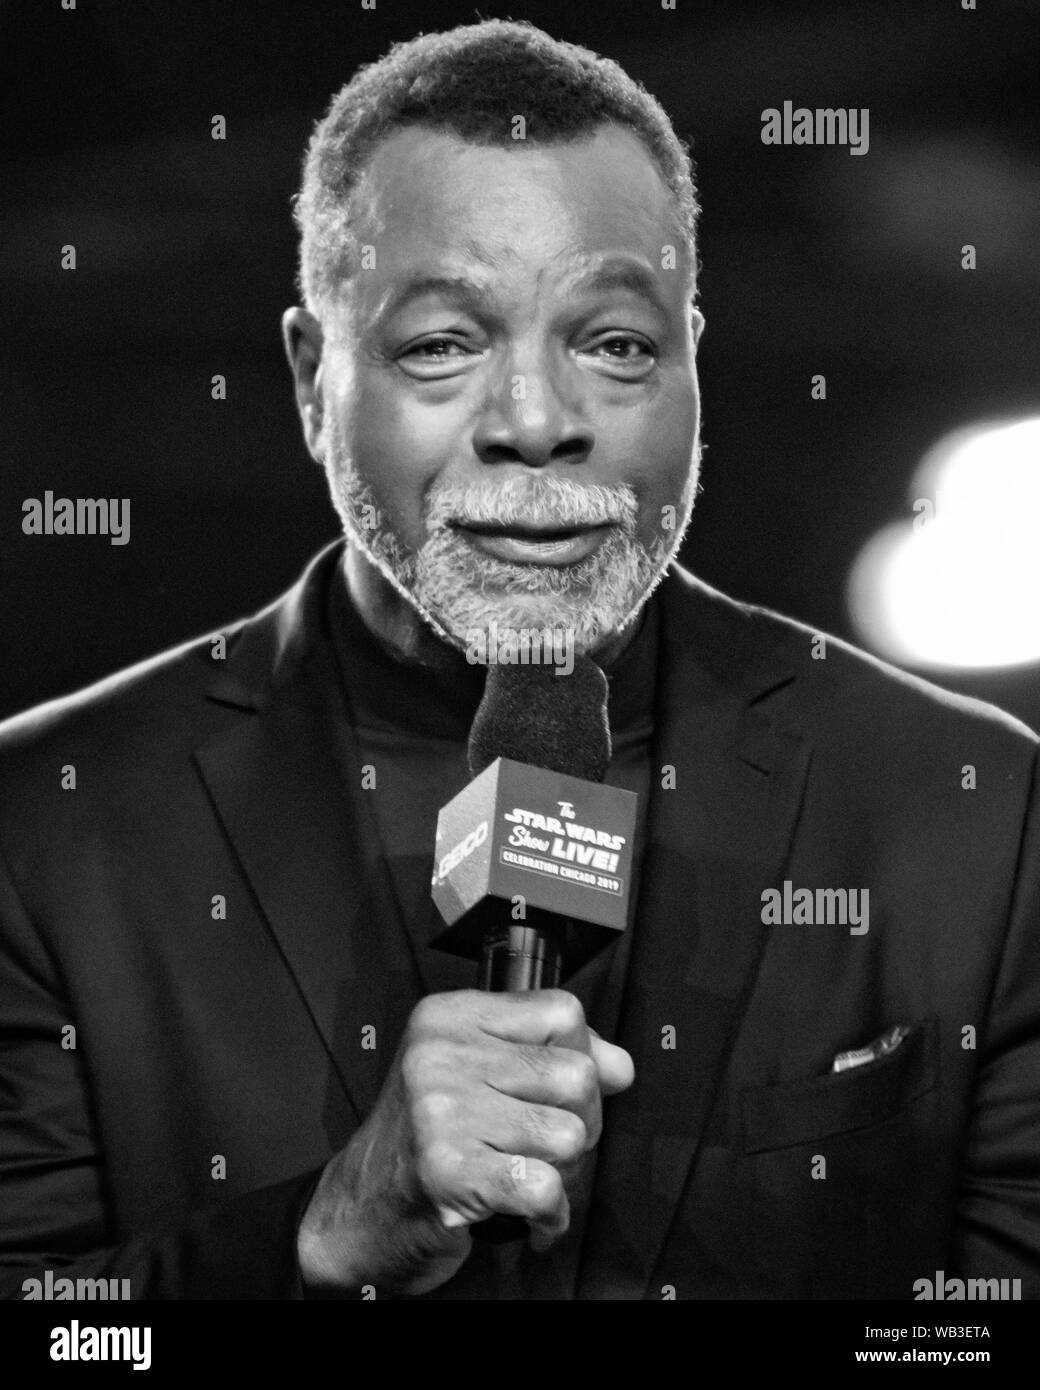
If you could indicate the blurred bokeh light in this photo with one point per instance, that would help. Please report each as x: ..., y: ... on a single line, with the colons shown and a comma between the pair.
x: 958, y: 586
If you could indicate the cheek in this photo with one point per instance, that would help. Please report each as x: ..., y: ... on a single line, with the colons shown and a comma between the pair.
x: 399, y: 450
x: 661, y: 459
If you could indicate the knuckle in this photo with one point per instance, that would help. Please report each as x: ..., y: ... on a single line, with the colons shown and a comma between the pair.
x: 580, y: 1078
x: 451, y: 1173
x: 568, y: 1013
x: 567, y: 1135
x: 424, y: 1061
x: 438, y: 1166
x: 544, y: 1187
x: 443, y: 1013
x: 431, y: 1112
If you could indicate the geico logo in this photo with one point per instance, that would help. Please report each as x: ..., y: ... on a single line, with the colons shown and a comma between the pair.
x: 462, y: 849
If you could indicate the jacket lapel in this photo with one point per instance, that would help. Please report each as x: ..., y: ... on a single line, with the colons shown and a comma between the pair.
x: 714, y: 842
x: 280, y: 778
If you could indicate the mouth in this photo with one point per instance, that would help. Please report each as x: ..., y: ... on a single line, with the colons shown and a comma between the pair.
x: 540, y: 545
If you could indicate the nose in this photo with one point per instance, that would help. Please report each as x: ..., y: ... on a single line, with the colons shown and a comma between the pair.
x: 533, y: 415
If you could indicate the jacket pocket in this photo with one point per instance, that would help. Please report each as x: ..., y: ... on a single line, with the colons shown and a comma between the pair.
x: 778, y: 1117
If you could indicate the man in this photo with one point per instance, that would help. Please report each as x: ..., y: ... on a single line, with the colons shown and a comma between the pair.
x: 234, y: 1064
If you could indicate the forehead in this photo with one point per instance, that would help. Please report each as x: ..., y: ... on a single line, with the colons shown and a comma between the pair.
x: 427, y: 196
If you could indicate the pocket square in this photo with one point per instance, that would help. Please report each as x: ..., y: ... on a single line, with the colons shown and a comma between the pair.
x: 880, y: 1047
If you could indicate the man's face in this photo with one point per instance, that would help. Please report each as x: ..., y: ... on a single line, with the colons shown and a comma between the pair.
x: 522, y: 447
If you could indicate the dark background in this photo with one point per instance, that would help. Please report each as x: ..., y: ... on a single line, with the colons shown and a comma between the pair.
x: 814, y: 261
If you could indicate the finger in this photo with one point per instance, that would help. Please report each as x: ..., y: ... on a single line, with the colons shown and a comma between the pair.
x: 543, y: 1132
x: 450, y: 1219
x: 614, y: 1066
x: 548, y: 1210
x: 535, y: 1016
x: 551, y: 1075
x: 468, y: 1186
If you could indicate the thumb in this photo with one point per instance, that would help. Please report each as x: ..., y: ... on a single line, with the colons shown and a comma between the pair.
x: 615, y: 1066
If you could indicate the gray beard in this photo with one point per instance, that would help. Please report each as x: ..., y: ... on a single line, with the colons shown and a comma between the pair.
x: 458, y: 591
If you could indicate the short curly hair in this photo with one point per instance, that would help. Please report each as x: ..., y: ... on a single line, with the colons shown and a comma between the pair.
x: 471, y: 81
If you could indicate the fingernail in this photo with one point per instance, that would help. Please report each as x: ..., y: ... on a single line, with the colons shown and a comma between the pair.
x: 450, y: 1219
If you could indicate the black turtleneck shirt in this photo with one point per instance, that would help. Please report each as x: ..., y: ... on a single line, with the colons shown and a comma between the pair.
x: 412, y: 727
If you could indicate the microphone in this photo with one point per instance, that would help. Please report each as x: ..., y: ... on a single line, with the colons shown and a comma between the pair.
x: 533, y: 862
x: 534, y: 856
x: 526, y: 712
x: 526, y: 715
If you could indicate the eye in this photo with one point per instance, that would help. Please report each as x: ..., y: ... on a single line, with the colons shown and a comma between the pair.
x: 626, y: 350
x: 436, y: 357
x: 431, y: 348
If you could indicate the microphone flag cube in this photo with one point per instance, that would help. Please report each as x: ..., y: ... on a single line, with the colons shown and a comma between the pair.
x: 553, y: 843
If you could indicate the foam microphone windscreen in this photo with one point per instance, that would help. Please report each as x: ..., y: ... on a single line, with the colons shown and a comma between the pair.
x: 532, y: 715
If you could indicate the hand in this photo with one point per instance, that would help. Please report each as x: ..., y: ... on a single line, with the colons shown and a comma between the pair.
x: 488, y: 1097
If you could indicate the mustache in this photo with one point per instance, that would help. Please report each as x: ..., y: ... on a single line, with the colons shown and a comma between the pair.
x: 543, y: 502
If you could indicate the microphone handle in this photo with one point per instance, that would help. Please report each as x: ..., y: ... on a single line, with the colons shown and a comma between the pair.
x: 521, y: 956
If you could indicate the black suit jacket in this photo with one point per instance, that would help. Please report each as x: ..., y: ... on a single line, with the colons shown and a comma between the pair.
x: 217, y: 1060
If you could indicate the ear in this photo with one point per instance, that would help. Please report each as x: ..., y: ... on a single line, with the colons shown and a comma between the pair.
x: 697, y: 320
x: 304, y: 341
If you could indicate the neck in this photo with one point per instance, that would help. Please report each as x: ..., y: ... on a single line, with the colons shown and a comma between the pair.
x: 397, y: 625
x: 391, y: 619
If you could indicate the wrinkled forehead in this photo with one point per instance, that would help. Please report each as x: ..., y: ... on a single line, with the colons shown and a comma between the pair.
x: 526, y: 213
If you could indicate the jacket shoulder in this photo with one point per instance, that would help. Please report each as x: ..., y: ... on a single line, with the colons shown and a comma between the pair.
x: 141, y: 723
x: 123, y: 700
x: 824, y: 679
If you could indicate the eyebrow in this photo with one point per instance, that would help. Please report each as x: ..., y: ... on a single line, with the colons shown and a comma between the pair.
x: 459, y: 289
x: 467, y: 293
x: 618, y: 274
